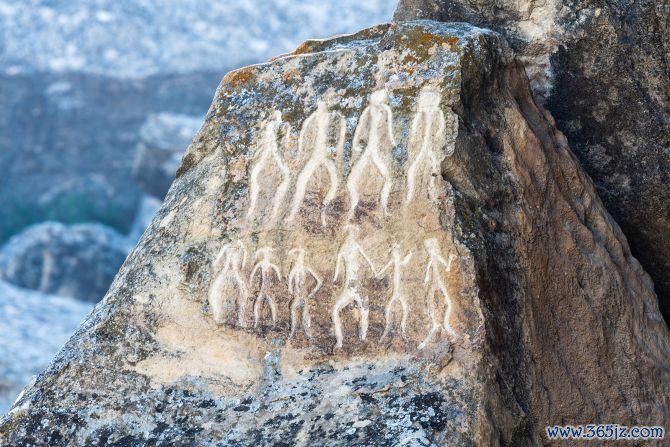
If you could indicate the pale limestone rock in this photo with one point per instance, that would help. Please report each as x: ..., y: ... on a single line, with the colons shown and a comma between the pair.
x: 462, y: 283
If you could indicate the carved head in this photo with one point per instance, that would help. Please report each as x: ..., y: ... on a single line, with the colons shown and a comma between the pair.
x: 298, y: 253
x: 351, y: 230
x: 429, y: 98
x: 379, y: 97
x: 432, y: 246
x: 321, y: 106
x: 276, y: 116
x: 264, y: 253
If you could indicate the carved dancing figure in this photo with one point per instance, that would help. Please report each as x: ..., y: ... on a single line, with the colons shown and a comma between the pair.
x: 229, y: 282
x: 268, y: 154
x: 376, y: 128
x: 265, y: 268
x: 297, y: 290
x: 397, y: 262
x: 434, y: 278
x: 349, y: 254
x: 314, y: 138
x: 427, y: 138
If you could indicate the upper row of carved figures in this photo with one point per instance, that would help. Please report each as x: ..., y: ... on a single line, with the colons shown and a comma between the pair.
x: 229, y: 291
x: 321, y: 141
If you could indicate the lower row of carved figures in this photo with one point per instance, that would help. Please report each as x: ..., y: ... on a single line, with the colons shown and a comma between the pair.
x: 373, y: 139
x: 232, y: 260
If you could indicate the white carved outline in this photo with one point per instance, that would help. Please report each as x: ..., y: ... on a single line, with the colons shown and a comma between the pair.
x: 321, y: 156
x: 371, y: 122
x: 268, y: 151
x: 229, y: 264
x: 297, y: 284
x: 434, y: 278
x: 427, y: 127
x: 396, y: 296
x: 348, y: 255
x: 266, y: 268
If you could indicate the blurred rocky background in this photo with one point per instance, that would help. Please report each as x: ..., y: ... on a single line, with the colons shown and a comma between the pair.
x: 99, y: 100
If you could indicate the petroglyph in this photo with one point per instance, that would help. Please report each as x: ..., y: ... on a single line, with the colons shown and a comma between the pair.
x: 314, y: 139
x: 297, y: 290
x: 374, y: 140
x: 397, y: 262
x: 279, y: 180
x: 427, y: 139
x: 349, y: 255
x: 229, y: 283
x: 436, y: 285
x: 266, y: 160
x: 265, y: 268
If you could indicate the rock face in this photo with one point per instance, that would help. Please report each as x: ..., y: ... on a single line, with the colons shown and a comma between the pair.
x: 76, y: 93
x: 603, y: 71
x: 378, y: 239
x: 77, y: 261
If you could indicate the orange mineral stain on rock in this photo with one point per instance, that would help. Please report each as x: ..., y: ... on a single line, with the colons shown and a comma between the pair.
x: 238, y: 78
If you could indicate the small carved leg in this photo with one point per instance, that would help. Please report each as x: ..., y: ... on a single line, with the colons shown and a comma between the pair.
x: 388, y: 183
x: 301, y: 188
x: 430, y: 336
x: 364, y: 311
x: 306, y: 321
x: 388, y: 314
x: 257, y: 309
x: 403, y: 322
x: 352, y: 184
x: 279, y: 198
x: 341, y: 303
x: 332, y: 191
x: 273, y: 310
x: 294, y: 317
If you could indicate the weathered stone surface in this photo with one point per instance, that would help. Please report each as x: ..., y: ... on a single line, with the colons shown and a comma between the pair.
x: 602, y: 68
x: 77, y: 261
x: 377, y: 240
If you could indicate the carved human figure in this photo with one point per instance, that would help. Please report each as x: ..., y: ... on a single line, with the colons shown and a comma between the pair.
x: 265, y: 268
x: 397, y: 262
x: 314, y: 139
x: 349, y: 255
x: 427, y: 138
x: 229, y: 283
x: 435, y: 285
x: 267, y: 155
x: 297, y: 290
x: 373, y: 138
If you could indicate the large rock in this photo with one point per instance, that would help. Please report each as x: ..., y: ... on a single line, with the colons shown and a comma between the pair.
x: 603, y: 70
x: 378, y: 240
x: 78, y: 79
x: 77, y: 261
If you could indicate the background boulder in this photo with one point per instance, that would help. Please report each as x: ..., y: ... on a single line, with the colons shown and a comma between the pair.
x: 76, y: 261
